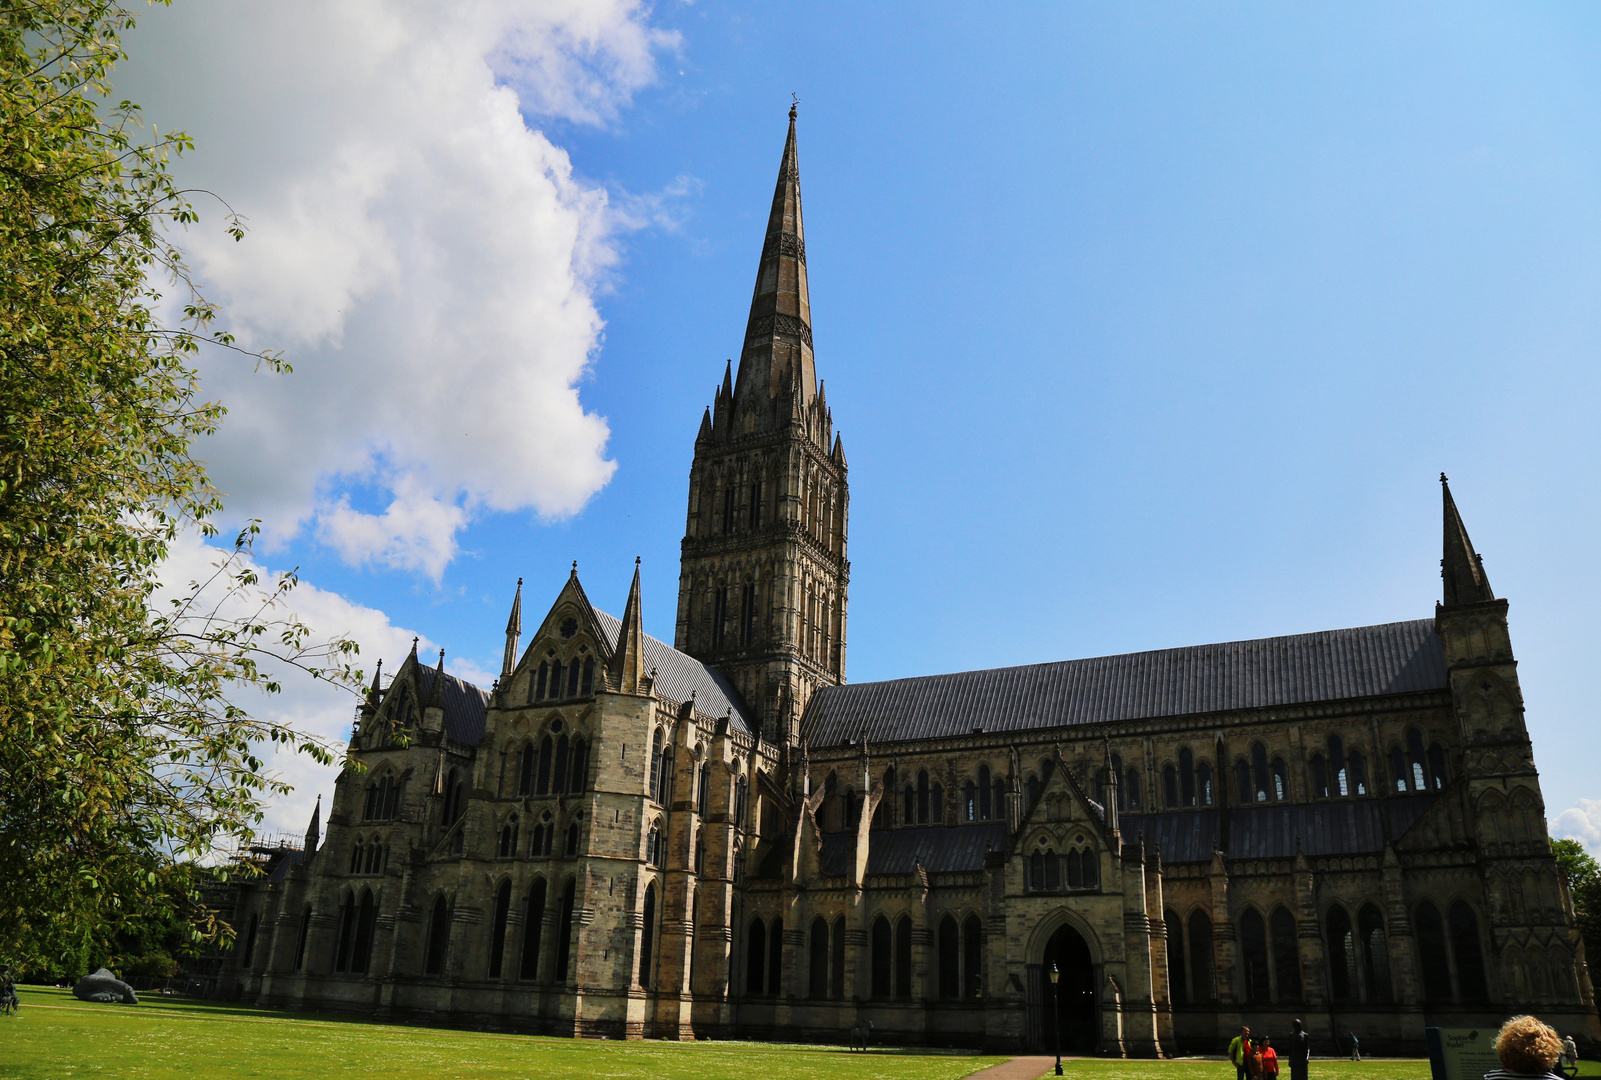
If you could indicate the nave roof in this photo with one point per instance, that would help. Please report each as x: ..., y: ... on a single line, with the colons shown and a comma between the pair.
x: 1365, y: 661
x: 680, y: 676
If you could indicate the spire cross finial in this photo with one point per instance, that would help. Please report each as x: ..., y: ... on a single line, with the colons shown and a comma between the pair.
x: 794, y: 100
x: 1443, y: 479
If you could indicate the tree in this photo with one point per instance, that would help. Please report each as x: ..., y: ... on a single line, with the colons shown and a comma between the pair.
x: 1583, y: 875
x: 122, y: 750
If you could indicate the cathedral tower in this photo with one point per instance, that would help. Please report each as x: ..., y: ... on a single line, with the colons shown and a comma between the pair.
x: 762, y: 585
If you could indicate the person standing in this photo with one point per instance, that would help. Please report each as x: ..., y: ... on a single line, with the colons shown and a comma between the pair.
x: 1269, y: 1059
x: 1356, y: 1048
x: 1240, y: 1053
x: 1300, y: 1051
x: 1570, y: 1052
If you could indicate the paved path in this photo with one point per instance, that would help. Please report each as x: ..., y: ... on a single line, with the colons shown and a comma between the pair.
x: 1019, y: 1068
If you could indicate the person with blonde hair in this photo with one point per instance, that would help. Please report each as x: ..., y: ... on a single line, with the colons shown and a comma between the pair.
x: 1527, y: 1048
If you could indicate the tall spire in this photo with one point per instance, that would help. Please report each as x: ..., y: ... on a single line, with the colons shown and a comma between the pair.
x: 1461, y: 567
x: 514, y: 631
x: 628, y: 662
x: 778, y: 336
x: 314, y: 830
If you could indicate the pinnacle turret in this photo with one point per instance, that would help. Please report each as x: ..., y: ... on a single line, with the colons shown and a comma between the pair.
x: 628, y: 661
x: 314, y: 830
x: 514, y: 632
x: 1461, y: 568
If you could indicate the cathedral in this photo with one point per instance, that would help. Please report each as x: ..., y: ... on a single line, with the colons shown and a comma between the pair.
x: 722, y: 838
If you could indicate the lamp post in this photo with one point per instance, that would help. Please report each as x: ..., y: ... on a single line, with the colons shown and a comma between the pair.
x: 1056, y: 1016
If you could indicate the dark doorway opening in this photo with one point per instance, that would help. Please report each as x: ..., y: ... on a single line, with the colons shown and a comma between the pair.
x: 1071, y: 1009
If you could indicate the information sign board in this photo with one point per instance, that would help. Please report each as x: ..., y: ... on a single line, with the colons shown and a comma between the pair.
x: 1462, y: 1053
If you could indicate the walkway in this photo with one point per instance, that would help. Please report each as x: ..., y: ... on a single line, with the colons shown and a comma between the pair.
x: 1019, y: 1068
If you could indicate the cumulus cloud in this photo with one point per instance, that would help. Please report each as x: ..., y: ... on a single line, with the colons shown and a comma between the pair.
x: 311, y: 706
x: 426, y: 260
x: 1581, y: 822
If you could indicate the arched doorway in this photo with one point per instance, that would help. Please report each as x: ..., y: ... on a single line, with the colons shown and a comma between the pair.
x: 1071, y: 1010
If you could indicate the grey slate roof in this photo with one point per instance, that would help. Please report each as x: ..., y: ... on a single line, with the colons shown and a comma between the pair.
x: 465, y: 705
x: 1270, y: 832
x: 1394, y: 658
x: 896, y: 851
x: 678, y: 675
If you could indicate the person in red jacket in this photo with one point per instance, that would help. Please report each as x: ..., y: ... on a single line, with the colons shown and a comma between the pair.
x: 1270, y: 1060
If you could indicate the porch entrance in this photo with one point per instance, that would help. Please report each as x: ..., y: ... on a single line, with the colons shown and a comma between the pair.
x: 1071, y: 1010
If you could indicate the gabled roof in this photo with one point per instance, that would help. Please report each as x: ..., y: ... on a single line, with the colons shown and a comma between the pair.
x: 1393, y: 658
x: 465, y: 705
x: 680, y: 676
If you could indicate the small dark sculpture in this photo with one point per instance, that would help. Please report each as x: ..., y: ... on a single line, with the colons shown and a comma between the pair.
x: 862, y: 1034
x: 104, y: 987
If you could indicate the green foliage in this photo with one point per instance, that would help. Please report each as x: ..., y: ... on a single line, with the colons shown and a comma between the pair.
x: 121, y: 750
x: 1583, y: 874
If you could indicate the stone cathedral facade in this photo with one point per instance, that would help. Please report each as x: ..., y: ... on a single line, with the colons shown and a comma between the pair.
x: 722, y: 838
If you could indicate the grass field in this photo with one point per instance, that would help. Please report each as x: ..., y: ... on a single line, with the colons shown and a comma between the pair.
x: 177, y: 1039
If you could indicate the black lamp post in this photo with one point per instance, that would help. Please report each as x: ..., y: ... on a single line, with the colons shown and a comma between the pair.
x: 1056, y: 1016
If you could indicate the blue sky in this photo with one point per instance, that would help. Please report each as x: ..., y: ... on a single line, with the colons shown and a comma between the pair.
x: 1143, y: 326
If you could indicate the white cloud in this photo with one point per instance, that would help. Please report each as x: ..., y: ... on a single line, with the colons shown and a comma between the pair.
x: 1581, y: 822
x: 311, y: 706
x: 426, y: 260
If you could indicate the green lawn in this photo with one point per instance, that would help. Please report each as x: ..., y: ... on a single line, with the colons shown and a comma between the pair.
x: 178, y: 1039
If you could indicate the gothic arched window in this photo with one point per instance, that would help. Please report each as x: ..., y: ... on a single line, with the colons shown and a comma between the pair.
x: 1281, y: 780
x: 1242, y: 781
x: 1170, y: 787
x: 1342, y: 954
x: 588, y: 683
x: 775, y: 957
x: 564, y: 931
x: 1469, y: 953
x: 969, y: 802
x: 1186, y: 778
x: 647, y: 937
x: 1201, y: 963
x: 1339, y: 781
x: 836, y: 982
x: 533, y: 928
x: 580, y: 767
x: 653, y: 843
x: 950, y: 959
x: 973, y: 957
x: 1398, y: 768
x: 985, y: 797
x: 1375, y: 954
x: 903, y: 959
x: 883, y: 959
x: 818, y: 956
x: 1253, y: 944
x: 525, y: 769
x: 1356, y: 765
x: 556, y: 674
x: 438, y: 938
x: 539, y: 683
x: 1437, y: 766
x: 1264, y: 781
x: 1177, y: 987
x: 1414, y: 748
x: 1203, y: 779
x: 558, y: 771
x: 1286, y: 954
x: 497, y: 929
x: 756, y: 957
x: 546, y: 754
x: 1436, y: 967
x: 1320, y: 777
x: 1131, y: 791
